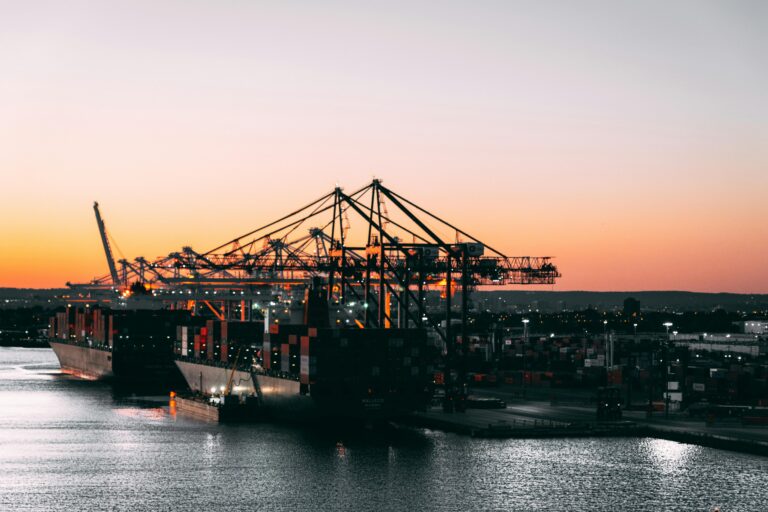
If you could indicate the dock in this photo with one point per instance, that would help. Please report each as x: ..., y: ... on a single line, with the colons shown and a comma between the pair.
x: 499, y: 423
x: 518, y: 422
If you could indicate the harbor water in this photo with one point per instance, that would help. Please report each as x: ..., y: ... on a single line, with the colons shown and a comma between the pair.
x: 68, y: 444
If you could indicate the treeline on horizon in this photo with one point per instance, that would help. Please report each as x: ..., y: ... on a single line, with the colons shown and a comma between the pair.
x: 573, y: 299
x: 649, y: 300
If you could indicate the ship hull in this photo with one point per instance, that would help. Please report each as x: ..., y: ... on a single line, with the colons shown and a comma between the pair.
x: 284, y: 399
x: 133, y: 367
x: 207, y: 379
x: 84, y: 362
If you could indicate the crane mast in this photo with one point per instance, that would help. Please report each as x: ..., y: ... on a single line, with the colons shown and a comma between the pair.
x: 107, y: 248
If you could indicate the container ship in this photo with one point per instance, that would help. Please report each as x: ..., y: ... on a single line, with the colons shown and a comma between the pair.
x: 305, y: 371
x: 124, y: 346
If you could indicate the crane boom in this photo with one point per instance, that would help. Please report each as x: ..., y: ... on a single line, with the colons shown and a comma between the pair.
x: 273, y: 254
x: 105, y: 242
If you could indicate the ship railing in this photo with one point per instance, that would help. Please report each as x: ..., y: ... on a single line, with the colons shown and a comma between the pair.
x: 82, y: 343
x: 213, y: 362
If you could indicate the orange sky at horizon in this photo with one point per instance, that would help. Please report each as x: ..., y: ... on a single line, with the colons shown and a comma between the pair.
x: 628, y: 142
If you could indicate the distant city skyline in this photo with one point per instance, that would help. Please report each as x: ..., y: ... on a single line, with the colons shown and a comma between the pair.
x: 626, y: 140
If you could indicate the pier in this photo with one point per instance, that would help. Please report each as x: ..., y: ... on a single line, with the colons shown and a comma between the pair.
x: 538, y: 419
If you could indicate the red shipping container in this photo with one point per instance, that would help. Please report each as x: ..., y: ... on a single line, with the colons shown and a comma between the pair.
x: 304, y: 361
x: 203, y: 337
x: 267, y: 351
x: 209, y: 339
x: 285, y: 355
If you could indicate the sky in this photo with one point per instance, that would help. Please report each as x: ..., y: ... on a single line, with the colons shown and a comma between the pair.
x: 629, y: 140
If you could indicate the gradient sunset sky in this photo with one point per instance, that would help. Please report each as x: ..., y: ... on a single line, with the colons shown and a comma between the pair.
x: 627, y: 139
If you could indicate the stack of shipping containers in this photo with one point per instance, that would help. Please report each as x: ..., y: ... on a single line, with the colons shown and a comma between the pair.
x: 219, y: 342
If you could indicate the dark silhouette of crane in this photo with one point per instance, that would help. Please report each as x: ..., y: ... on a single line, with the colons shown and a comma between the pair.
x: 375, y: 253
x: 107, y: 248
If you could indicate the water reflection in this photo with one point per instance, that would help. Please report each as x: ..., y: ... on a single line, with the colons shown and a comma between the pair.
x: 669, y: 456
x: 341, y: 451
x: 151, y: 413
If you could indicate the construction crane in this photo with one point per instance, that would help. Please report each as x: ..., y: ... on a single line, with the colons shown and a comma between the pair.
x: 107, y: 248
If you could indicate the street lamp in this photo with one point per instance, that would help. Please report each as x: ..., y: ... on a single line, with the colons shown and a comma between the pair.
x: 633, y: 367
x: 525, y: 343
x: 666, y: 372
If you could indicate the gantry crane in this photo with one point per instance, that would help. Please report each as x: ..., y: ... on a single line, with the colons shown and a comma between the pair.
x: 402, y: 251
x: 372, y: 247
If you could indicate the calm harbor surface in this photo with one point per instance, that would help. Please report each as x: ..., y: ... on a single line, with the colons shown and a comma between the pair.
x: 67, y: 444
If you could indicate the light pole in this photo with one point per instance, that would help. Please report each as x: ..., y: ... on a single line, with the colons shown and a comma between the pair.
x: 632, y: 368
x: 606, y: 347
x: 525, y: 343
x: 525, y: 330
x: 666, y: 372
